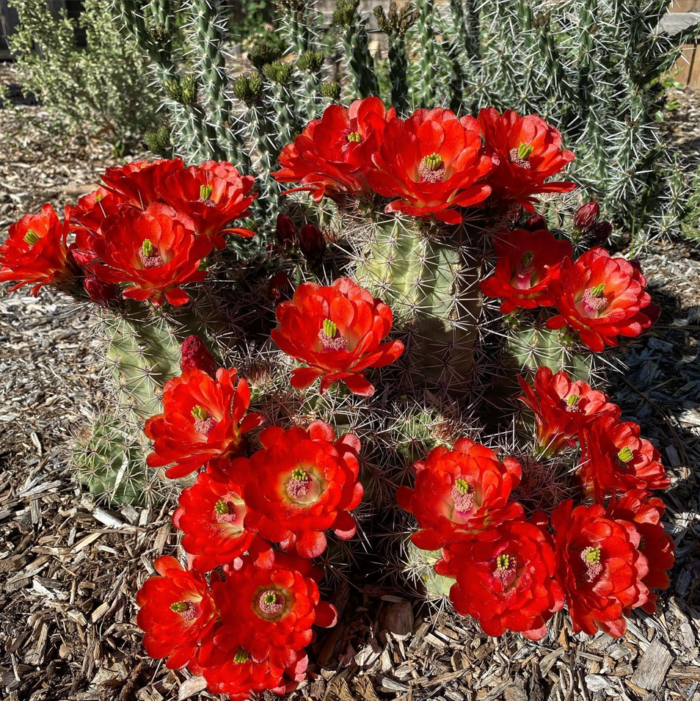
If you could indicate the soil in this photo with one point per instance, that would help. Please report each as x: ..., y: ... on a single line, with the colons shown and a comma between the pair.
x: 70, y: 569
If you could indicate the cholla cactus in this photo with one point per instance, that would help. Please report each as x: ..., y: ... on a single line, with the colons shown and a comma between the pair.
x: 402, y: 374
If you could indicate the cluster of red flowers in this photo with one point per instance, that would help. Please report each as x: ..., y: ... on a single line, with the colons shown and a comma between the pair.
x: 431, y: 164
x: 143, y: 234
x: 514, y: 574
x: 246, y: 630
x: 596, y: 296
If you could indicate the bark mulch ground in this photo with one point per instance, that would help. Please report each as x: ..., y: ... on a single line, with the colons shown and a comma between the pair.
x: 69, y: 569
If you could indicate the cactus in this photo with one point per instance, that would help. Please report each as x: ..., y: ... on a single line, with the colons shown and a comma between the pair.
x: 428, y: 273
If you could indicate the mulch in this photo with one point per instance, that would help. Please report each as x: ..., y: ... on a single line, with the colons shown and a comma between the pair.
x: 69, y: 568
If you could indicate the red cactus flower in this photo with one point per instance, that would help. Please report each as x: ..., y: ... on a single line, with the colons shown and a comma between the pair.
x: 615, y: 458
x: 177, y: 611
x: 211, y: 514
x: 433, y: 163
x: 646, y: 511
x: 211, y: 202
x: 140, y: 183
x: 152, y: 251
x: 267, y: 613
x: 332, y: 154
x: 586, y: 216
x: 196, y: 356
x: 563, y: 407
x: 35, y: 252
x: 600, y: 567
x: 338, y: 332
x: 235, y: 673
x: 505, y: 579
x: 528, y: 151
x: 460, y: 492
x: 92, y: 209
x: 300, y: 484
x: 601, y: 298
x: 527, y: 262
x: 203, y: 419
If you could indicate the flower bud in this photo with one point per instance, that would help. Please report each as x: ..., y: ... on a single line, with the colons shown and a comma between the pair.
x: 285, y: 231
x: 311, y: 242
x: 280, y: 287
x: 600, y: 233
x: 196, y: 356
x: 587, y: 216
x: 103, y: 294
x: 535, y: 222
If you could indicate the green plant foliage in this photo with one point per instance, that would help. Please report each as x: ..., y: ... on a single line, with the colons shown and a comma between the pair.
x: 104, y: 90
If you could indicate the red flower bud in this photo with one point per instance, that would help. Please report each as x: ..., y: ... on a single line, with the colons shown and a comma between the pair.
x: 101, y: 293
x: 311, y: 242
x: 285, y: 231
x: 535, y: 222
x: 600, y: 233
x: 196, y: 356
x: 587, y: 216
x: 280, y: 287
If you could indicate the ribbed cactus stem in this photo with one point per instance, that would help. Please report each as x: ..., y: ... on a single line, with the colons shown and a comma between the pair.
x: 207, y: 19
x: 424, y: 271
x: 473, y: 29
x: 359, y: 60
x: 282, y: 100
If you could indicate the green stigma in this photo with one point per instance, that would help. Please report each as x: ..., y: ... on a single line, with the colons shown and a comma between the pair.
x: 503, y: 562
x: 241, y: 656
x: 270, y: 597
x: 299, y: 474
x: 573, y: 399
x: 592, y: 555
x: 330, y: 328
x: 355, y: 137
x: 31, y: 237
x: 147, y: 248
x: 179, y: 606
x: 221, y: 507
x: 99, y: 198
x: 524, y: 150
x: 433, y: 161
x: 598, y: 290
x: 199, y: 412
x: 526, y: 260
x: 626, y: 455
x: 462, y: 486
x: 205, y: 192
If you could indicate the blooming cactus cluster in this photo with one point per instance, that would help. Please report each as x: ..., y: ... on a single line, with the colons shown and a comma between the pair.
x: 259, y: 504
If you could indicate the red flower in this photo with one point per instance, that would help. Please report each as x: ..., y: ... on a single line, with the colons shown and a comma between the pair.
x: 103, y: 294
x: 211, y: 202
x: 600, y: 567
x: 301, y: 484
x: 267, y: 613
x: 233, y: 672
x: 615, y: 458
x: 460, y: 492
x: 646, y: 511
x: 196, y: 356
x: 211, y: 515
x: 528, y: 151
x: 140, y: 183
x: 562, y: 407
x: 433, y: 163
x: 177, y: 611
x: 601, y: 297
x: 92, y: 209
x: 332, y: 154
x: 35, y: 252
x: 527, y: 262
x: 338, y: 332
x: 203, y: 419
x: 505, y: 579
x: 152, y: 251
